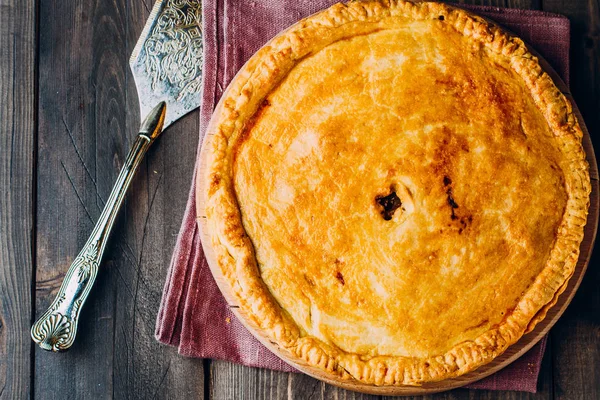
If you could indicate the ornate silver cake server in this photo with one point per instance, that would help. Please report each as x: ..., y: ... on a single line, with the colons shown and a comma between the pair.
x: 167, y: 67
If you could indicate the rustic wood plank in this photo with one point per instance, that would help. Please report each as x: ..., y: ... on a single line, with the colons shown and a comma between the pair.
x: 153, y: 213
x: 143, y: 367
x: 233, y: 381
x: 576, y: 338
x: 81, y: 107
x: 18, y: 41
x: 304, y: 387
x: 88, y: 118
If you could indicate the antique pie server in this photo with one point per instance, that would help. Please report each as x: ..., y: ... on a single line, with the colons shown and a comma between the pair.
x: 167, y: 66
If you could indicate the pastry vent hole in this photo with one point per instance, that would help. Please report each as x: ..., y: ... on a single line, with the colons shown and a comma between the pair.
x: 389, y: 204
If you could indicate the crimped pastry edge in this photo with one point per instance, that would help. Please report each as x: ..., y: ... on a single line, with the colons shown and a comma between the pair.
x: 234, y: 251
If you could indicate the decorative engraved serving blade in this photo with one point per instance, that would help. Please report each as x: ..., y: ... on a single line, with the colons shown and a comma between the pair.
x: 167, y: 59
x: 167, y: 67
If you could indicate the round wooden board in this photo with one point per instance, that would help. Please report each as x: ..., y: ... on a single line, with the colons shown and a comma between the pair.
x: 511, y: 354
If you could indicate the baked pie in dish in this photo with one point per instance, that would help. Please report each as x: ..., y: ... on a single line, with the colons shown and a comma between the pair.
x: 395, y: 192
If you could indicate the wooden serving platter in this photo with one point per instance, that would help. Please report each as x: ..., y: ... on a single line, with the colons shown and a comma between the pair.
x: 511, y: 354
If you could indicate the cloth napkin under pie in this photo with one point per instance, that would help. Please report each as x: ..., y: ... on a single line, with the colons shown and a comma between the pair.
x: 193, y: 314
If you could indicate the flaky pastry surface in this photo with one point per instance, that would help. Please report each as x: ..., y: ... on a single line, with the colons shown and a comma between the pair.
x: 424, y: 106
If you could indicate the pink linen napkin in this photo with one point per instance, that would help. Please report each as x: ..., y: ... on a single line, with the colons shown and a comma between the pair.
x: 193, y: 314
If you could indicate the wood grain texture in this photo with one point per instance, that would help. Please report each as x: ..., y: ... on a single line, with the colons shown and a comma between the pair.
x: 576, y: 337
x: 144, y: 368
x: 81, y: 108
x: 17, y: 149
x: 88, y: 119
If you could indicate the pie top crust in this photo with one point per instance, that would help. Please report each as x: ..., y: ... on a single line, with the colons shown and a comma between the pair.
x: 396, y: 191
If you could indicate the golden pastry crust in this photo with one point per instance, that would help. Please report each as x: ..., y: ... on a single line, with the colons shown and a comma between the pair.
x: 431, y: 103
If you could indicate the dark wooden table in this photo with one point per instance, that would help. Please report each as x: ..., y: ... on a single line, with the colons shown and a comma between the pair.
x: 68, y: 114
